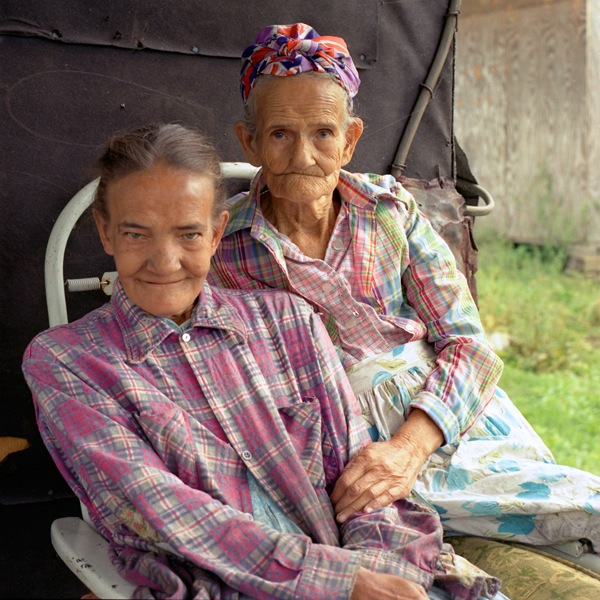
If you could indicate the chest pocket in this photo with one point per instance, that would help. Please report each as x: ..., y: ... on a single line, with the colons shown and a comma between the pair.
x: 312, y: 442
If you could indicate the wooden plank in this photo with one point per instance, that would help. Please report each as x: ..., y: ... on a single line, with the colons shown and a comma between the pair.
x: 480, y: 105
x: 8, y: 445
x: 593, y: 120
x: 584, y: 259
x: 522, y: 117
x: 478, y: 7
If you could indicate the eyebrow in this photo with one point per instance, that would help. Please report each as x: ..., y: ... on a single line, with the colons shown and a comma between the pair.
x: 131, y: 225
x: 191, y: 227
x: 324, y: 122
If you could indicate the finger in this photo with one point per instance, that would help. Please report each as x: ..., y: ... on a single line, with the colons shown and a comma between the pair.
x: 346, y: 514
x: 347, y: 509
x: 373, y: 497
x: 361, y: 492
x: 387, y: 497
x: 374, y: 480
x: 352, y: 473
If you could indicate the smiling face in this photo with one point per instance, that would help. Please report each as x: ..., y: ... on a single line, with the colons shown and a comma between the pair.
x: 302, y: 137
x: 162, y: 233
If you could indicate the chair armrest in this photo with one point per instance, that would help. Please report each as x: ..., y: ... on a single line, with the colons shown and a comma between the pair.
x: 85, y: 552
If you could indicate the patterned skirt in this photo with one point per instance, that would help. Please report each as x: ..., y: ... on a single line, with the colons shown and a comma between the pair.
x: 500, y: 481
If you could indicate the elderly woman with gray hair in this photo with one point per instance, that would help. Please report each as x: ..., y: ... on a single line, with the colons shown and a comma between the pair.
x: 395, y: 305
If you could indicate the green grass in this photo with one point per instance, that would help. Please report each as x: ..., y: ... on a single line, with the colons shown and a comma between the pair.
x: 552, y: 365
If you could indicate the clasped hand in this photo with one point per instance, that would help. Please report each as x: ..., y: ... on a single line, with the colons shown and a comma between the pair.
x: 378, y: 475
x: 381, y: 586
x: 383, y: 472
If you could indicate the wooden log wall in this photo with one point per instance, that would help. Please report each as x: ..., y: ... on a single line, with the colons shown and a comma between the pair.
x: 527, y: 113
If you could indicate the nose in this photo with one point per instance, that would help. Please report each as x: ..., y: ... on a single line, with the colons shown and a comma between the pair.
x: 164, y: 258
x: 302, y: 154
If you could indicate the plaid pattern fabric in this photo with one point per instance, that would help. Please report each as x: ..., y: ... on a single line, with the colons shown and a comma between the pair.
x: 388, y: 278
x: 155, y: 427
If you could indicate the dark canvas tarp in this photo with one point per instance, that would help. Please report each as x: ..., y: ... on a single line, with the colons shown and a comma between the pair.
x: 75, y: 71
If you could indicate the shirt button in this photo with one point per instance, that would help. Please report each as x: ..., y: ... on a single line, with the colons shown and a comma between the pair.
x: 337, y: 244
x: 247, y: 455
x: 249, y: 517
x: 186, y: 337
x: 327, y: 288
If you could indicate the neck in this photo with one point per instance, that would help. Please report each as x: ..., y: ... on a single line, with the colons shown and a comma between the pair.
x: 309, y: 226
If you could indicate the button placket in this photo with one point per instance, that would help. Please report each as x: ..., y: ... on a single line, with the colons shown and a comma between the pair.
x: 351, y: 322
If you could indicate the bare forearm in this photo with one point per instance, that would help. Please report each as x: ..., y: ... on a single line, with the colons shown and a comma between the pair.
x: 419, y: 434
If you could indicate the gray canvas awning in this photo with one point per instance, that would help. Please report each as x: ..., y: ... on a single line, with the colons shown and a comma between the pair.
x: 73, y: 72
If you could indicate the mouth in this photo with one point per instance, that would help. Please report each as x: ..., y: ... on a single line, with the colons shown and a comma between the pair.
x: 305, y: 174
x: 161, y: 283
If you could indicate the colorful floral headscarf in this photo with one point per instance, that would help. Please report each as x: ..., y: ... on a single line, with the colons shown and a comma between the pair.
x: 292, y: 49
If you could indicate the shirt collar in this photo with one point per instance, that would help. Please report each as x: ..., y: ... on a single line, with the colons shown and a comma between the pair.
x: 358, y: 192
x: 244, y: 208
x: 143, y: 332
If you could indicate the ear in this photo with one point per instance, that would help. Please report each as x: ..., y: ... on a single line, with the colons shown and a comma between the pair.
x: 218, y: 230
x: 353, y: 134
x: 247, y: 141
x: 102, y: 225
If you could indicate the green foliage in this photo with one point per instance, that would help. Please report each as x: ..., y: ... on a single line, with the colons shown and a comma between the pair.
x: 552, y: 364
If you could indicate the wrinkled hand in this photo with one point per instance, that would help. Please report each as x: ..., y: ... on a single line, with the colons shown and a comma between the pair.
x: 378, y: 475
x: 384, y: 472
x: 380, y: 586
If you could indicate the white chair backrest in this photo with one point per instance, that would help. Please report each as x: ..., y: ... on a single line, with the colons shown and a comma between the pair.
x: 55, y: 250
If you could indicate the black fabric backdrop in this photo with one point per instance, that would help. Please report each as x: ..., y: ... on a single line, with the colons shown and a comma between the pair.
x: 73, y: 72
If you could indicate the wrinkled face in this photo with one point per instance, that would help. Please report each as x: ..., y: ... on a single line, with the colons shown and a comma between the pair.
x: 162, y: 234
x: 301, y: 140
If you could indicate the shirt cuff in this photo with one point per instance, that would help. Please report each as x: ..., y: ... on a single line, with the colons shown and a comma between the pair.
x: 381, y: 561
x: 439, y: 413
x: 328, y: 573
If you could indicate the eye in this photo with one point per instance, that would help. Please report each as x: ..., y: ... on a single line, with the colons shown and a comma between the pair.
x: 278, y: 135
x: 325, y: 134
x: 191, y: 236
x: 134, y: 235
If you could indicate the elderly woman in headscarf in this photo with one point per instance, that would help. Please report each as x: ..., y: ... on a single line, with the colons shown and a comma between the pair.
x: 395, y: 305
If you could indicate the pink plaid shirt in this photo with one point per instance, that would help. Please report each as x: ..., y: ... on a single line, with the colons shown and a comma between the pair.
x: 156, y: 427
x: 387, y: 278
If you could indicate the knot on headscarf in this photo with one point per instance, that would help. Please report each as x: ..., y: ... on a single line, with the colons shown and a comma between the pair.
x: 292, y: 49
